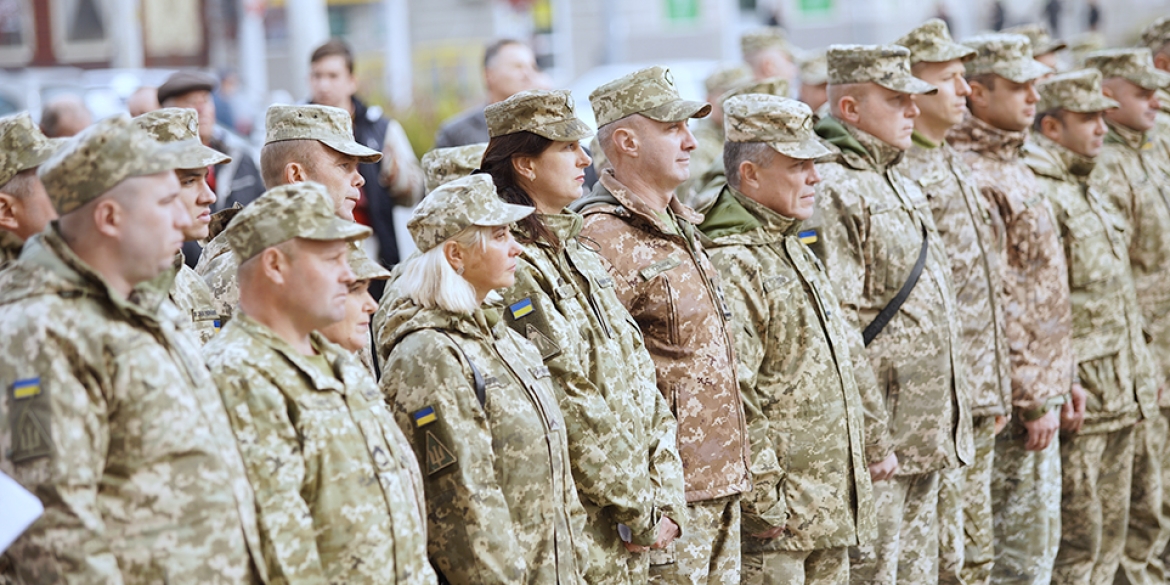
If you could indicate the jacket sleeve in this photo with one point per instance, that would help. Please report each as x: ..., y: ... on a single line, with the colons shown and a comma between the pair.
x: 608, y: 461
x: 69, y: 542
x: 765, y: 507
x: 471, y: 539
x: 401, y: 173
x: 841, y: 247
x: 272, y: 455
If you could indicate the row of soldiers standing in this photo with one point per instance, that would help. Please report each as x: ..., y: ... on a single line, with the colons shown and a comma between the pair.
x: 852, y: 367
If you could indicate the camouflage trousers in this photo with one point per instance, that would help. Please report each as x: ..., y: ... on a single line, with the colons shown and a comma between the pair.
x: 965, y: 525
x: 906, y: 548
x: 1025, y: 496
x: 828, y: 566
x: 1097, y: 472
x: 1149, y: 527
x: 708, y: 551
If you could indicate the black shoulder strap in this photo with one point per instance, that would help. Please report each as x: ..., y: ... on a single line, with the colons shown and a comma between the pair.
x: 875, y: 327
x: 480, y: 386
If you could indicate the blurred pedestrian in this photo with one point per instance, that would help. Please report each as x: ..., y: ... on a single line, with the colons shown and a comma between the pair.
x: 509, y: 67
x: 65, y: 116
x: 142, y: 101
x: 769, y: 54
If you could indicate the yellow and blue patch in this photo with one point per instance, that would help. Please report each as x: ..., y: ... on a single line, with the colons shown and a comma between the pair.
x: 808, y: 237
x: 522, y: 308
x: 425, y: 416
x: 216, y: 324
x: 26, y: 388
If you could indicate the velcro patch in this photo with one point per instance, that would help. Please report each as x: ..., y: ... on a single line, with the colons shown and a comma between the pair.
x: 439, y: 457
x: 808, y: 237
x: 204, y: 315
x: 425, y: 416
x: 29, y: 420
x: 659, y: 267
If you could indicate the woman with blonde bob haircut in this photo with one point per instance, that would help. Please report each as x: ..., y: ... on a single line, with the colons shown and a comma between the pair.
x: 476, y: 401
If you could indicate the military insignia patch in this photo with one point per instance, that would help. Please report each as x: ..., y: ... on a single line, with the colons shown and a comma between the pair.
x: 29, y: 420
x: 808, y: 237
x: 439, y: 457
x: 543, y: 344
x: 526, y: 318
x: 522, y: 309
x: 216, y: 324
x: 425, y: 416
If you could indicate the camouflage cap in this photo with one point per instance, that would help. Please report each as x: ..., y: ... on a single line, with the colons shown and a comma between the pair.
x: 885, y: 65
x: 725, y: 78
x: 181, y: 125
x: 100, y: 157
x: 545, y: 113
x: 300, y: 210
x: 1038, y: 35
x: 814, y: 68
x: 1134, y: 65
x: 458, y: 205
x: 328, y: 125
x: 1075, y: 91
x: 767, y: 37
x: 931, y: 43
x: 1155, y: 36
x: 23, y: 146
x: 1083, y: 44
x: 771, y: 86
x: 443, y: 165
x: 1008, y: 56
x: 363, y: 267
x: 785, y: 124
x: 650, y: 92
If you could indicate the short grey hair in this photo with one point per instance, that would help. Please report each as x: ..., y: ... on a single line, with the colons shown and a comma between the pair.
x: 735, y: 153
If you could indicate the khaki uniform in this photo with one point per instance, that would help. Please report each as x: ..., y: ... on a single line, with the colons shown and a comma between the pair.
x: 187, y: 291
x: 10, y: 246
x: 801, y: 396
x: 22, y: 147
x: 110, y: 417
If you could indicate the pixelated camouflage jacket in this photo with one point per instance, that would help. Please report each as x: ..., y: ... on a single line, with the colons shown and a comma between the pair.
x: 190, y: 295
x: 664, y: 278
x: 868, y: 230
x: 804, y: 411
x: 622, y: 436
x: 1140, y: 188
x: 338, y: 490
x: 501, y: 503
x: 1037, y: 308
x: 217, y: 265
x: 1113, y: 362
x: 10, y: 246
x: 111, y: 418
x: 969, y: 231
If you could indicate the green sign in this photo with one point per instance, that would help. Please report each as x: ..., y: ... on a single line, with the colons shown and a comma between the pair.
x: 815, y: 7
x: 682, y: 11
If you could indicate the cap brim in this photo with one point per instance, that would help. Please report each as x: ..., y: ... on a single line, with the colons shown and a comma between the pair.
x: 951, y: 52
x: 1021, y: 71
x: 907, y: 84
x: 565, y: 131
x: 508, y: 214
x: 195, y: 155
x: 1098, y: 103
x: 809, y: 149
x: 1050, y: 48
x: 338, y: 230
x: 167, y: 157
x: 1152, y: 79
x: 678, y: 111
x: 362, y: 153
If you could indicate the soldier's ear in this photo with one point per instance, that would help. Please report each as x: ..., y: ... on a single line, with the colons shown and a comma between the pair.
x: 749, y: 175
x: 848, y: 106
x: 625, y: 140
x: 1162, y: 61
x: 8, y: 212
x: 295, y: 172
x: 454, y: 255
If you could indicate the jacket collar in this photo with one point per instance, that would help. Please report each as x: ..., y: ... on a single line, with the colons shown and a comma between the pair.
x: 1119, y: 134
x: 638, y: 208
x: 1046, y: 157
x: 332, y: 354
x: 736, y: 214
x: 979, y: 136
x: 859, y: 149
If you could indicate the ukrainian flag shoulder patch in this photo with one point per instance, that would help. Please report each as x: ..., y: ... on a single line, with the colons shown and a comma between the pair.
x: 522, y: 308
x: 26, y: 388
x: 425, y: 416
x: 808, y: 237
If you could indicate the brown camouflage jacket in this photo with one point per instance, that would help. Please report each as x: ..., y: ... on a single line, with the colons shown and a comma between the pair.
x: 1037, y: 307
x: 664, y: 278
x: 1113, y: 362
x: 969, y: 231
x: 868, y: 230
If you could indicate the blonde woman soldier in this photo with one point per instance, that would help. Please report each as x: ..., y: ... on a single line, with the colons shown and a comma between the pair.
x: 621, y: 432
x: 476, y: 401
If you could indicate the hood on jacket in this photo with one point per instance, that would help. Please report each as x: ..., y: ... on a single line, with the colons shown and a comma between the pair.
x: 1049, y: 159
x: 737, y: 219
x: 834, y: 132
x: 403, y: 316
x: 728, y: 217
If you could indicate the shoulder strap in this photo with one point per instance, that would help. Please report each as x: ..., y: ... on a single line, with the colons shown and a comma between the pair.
x: 480, y: 386
x: 883, y: 318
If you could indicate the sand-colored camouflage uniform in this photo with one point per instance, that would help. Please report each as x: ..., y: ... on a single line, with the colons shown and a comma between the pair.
x: 1039, y: 37
x: 766, y: 38
x: 621, y: 433
x: 443, y: 165
x: 338, y: 489
x: 330, y: 126
x: 967, y: 227
x: 663, y: 277
x: 801, y: 397
x: 480, y: 410
x: 108, y: 414
x: 22, y: 147
x: 1155, y: 37
x: 367, y: 269
x: 709, y: 131
x: 869, y: 229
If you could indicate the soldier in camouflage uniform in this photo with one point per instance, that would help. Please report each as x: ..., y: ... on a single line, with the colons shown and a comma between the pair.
x: 1156, y: 38
x: 183, y: 286
x: 872, y: 225
x: 1114, y: 365
x: 477, y: 402
x: 814, y: 81
x: 664, y: 278
x: 769, y: 54
x: 709, y: 131
x: 302, y: 143
x: 25, y: 208
x: 621, y: 433
x: 811, y: 497
x: 1134, y: 176
x: 443, y: 165
x: 353, y: 332
x: 338, y: 490
x: 108, y: 415
x: 1045, y: 49
x: 1037, y: 312
x: 966, y: 550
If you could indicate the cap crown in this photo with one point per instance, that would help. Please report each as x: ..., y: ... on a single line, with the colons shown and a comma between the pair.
x: 1039, y: 37
x: 725, y: 78
x: 814, y: 68
x: 764, y: 38
x: 866, y: 63
x: 299, y: 210
x: 363, y: 267
x: 767, y: 118
x: 1075, y: 91
x: 444, y: 165
x: 22, y: 145
x: 772, y: 86
x: 458, y: 205
x: 1006, y: 55
x: 931, y: 42
x: 550, y: 114
x: 639, y: 92
x: 1135, y: 65
x: 1155, y: 36
x: 170, y: 124
x: 307, y: 123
